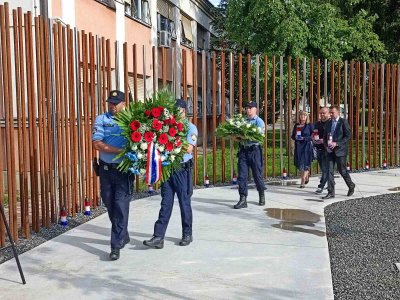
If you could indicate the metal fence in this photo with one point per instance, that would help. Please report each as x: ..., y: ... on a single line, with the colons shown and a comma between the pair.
x: 54, y: 80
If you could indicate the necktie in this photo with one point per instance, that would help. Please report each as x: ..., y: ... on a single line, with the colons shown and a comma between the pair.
x: 333, y: 126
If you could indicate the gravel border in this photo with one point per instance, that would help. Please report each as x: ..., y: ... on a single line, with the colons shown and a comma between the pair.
x: 364, y: 245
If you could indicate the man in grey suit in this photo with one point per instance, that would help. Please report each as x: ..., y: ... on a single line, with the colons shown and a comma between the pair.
x: 336, y: 141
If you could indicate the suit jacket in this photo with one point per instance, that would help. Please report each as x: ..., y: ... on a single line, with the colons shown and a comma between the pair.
x: 341, y: 136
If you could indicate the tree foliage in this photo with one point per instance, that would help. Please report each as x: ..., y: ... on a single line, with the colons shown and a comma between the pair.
x: 336, y: 30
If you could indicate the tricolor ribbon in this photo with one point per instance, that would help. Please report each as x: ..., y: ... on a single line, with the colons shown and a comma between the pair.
x: 154, y: 165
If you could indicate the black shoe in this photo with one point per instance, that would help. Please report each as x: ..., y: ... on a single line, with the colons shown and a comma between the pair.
x: 126, y: 241
x: 186, y: 240
x: 155, y: 242
x: 261, y: 200
x: 351, y: 190
x: 114, y: 255
x: 242, y: 203
x: 329, y: 196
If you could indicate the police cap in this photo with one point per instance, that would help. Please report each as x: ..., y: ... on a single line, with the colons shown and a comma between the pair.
x: 116, y: 97
x: 250, y: 104
x: 180, y: 103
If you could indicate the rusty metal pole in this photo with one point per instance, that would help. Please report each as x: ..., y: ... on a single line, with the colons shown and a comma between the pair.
x: 195, y: 91
x: 204, y: 111
x: 214, y: 114
x: 223, y: 114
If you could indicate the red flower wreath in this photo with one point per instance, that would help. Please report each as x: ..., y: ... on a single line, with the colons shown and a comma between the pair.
x: 148, y: 136
x: 169, y: 146
x: 157, y: 125
x: 135, y: 125
x: 156, y: 112
x: 136, y: 137
x: 172, y: 131
x: 180, y: 127
x: 163, y: 138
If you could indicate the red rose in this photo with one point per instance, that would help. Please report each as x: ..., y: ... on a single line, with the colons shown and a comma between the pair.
x: 163, y: 138
x: 169, y: 146
x: 178, y: 142
x: 148, y: 136
x: 166, y: 122
x: 180, y: 127
x: 172, y: 120
x: 147, y: 112
x: 136, y: 137
x: 157, y: 125
x: 155, y: 111
x: 161, y: 109
x: 135, y: 125
x: 172, y: 131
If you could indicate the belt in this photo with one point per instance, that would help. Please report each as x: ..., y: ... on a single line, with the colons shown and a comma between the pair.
x: 109, y: 165
x: 249, y: 148
x: 188, y: 164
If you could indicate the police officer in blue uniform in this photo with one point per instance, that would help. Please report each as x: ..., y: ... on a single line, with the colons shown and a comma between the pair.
x: 115, y: 186
x: 180, y: 182
x: 250, y: 155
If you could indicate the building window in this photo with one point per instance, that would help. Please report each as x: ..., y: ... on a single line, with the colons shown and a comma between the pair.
x: 109, y: 3
x: 138, y: 9
x: 165, y: 18
x: 201, y: 38
x: 187, y: 35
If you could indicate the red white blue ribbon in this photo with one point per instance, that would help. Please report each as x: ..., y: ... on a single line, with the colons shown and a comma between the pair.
x: 154, y: 165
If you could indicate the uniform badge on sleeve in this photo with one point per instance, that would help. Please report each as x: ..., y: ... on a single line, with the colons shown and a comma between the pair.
x: 94, y: 130
x: 194, y: 137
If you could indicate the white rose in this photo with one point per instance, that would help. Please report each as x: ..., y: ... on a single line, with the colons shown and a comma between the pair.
x: 248, y: 125
x: 172, y: 157
x: 163, y: 158
x: 177, y: 150
x: 143, y: 146
x: 254, y: 129
x: 134, y: 147
x: 166, y: 113
x: 139, y: 155
x: 142, y: 171
x: 161, y: 148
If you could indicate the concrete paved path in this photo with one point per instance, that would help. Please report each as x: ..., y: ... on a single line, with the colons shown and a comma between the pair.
x: 278, y: 251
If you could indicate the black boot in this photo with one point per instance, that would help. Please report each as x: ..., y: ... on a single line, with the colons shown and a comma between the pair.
x: 155, y: 242
x: 261, y: 200
x: 242, y: 202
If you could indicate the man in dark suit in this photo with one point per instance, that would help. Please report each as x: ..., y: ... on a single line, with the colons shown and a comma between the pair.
x: 336, y: 140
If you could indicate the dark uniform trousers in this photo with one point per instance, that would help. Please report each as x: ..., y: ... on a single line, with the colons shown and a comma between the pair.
x: 250, y: 157
x: 340, y: 161
x: 180, y: 182
x: 116, y: 191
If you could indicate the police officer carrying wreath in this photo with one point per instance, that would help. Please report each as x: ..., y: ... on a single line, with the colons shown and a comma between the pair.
x: 250, y: 155
x: 180, y: 182
x: 115, y: 186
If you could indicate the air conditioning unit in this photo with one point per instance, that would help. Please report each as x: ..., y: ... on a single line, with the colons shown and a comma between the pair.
x: 164, y: 39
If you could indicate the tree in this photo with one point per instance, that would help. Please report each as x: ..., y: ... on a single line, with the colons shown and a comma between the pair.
x: 297, y: 28
x: 386, y: 24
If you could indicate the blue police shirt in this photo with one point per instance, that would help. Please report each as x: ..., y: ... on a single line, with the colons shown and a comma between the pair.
x: 191, y: 139
x: 259, y: 123
x: 106, y: 130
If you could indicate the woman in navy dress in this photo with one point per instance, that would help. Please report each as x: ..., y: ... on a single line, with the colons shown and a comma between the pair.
x: 303, y: 150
